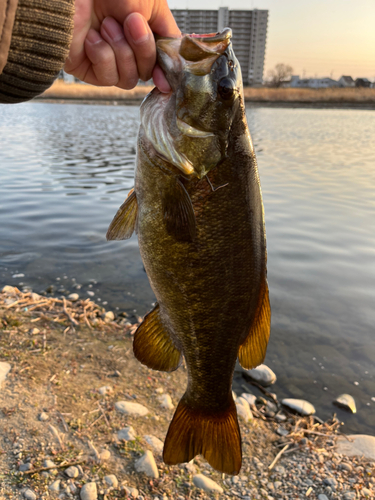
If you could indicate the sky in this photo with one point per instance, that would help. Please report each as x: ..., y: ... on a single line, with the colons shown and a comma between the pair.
x: 316, y: 37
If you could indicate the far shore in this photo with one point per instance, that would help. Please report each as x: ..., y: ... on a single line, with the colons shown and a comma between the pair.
x: 333, y: 97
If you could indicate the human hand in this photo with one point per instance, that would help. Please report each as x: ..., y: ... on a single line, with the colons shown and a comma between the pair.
x: 113, y: 42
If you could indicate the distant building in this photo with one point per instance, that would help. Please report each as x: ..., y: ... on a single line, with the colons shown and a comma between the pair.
x: 249, y: 29
x: 312, y: 83
x: 346, y: 81
x: 362, y: 82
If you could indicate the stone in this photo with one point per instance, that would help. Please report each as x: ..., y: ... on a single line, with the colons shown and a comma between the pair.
x: 111, y: 480
x: 299, y: 405
x: 133, y: 492
x: 262, y: 374
x: 34, y: 331
x: 346, y: 467
x: 55, y: 486
x: 106, y: 389
x: 18, y: 275
x: 9, y: 290
x: 250, y: 398
x: 205, y: 483
x: 147, y: 465
x: 72, y: 471
x: 322, y: 497
x: 243, y: 409
x: 89, y: 492
x: 330, y: 481
x: 126, y: 434
x: 281, y: 431
x: 166, y: 401
x: 29, y: 494
x: 4, y: 370
x: 91, y: 294
x: 366, y: 492
x: 361, y: 445
x: 43, y: 417
x: 350, y: 495
x: 155, y: 443
x: 48, y: 463
x: 347, y: 402
x: 280, y: 417
x: 25, y: 467
x: 73, y: 297
x: 134, y: 409
x: 105, y: 455
x: 109, y: 316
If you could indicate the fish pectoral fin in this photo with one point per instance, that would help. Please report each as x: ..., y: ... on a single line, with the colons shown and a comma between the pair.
x: 153, y: 346
x: 123, y: 224
x: 178, y: 211
x: 253, y: 351
x: 215, y: 436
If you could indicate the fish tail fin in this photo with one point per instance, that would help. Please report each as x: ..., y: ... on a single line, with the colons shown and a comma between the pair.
x: 215, y: 436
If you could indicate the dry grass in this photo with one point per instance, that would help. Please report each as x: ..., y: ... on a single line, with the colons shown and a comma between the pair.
x: 61, y: 90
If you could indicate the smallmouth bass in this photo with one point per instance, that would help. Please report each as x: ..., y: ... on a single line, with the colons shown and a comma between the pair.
x: 198, y: 212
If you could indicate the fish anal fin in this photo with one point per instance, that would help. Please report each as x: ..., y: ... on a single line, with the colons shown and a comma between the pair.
x: 215, y: 436
x: 178, y: 211
x: 153, y: 346
x: 253, y: 351
x: 123, y: 223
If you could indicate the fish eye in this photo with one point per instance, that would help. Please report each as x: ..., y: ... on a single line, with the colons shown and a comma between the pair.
x: 226, y: 88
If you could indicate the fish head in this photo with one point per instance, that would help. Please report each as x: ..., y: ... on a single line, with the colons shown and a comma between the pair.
x: 206, y: 83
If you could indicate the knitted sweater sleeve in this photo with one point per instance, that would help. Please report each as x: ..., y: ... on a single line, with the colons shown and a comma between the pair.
x: 35, y: 36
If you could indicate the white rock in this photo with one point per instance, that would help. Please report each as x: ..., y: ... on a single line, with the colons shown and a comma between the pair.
x: 43, y: 416
x: 111, y: 480
x: 262, y: 374
x: 166, y: 401
x: 4, y: 370
x: 73, y: 297
x: 9, y: 290
x: 134, y: 409
x: 127, y: 434
x: 105, y: 455
x: 55, y: 486
x: 243, y: 409
x: 18, y: 275
x: 133, y: 492
x: 106, y: 389
x: 159, y: 390
x: 34, y: 331
x: 250, y: 398
x: 206, y: 484
x: 346, y: 401
x: 361, y: 445
x: 147, y: 465
x: 72, y: 471
x: 91, y: 294
x: 29, y: 494
x: 154, y: 442
x: 49, y: 463
x: 299, y: 405
x: 109, y: 316
x: 89, y: 492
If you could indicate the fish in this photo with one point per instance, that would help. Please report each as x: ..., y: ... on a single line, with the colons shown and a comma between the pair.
x: 197, y: 209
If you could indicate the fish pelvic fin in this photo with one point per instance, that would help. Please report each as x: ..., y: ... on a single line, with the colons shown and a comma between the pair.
x: 178, y: 211
x: 215, y: 436
x: 253, y: 351
x: 153, y: 346
x: 123, y: 223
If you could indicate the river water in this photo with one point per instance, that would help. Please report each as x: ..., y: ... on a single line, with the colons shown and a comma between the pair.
x: 65, y: 169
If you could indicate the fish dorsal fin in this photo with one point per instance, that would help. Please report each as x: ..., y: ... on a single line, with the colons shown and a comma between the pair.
x: 178, y: 211
x: 123, y: 224
x: 253, y: 351
x: 153, y: 346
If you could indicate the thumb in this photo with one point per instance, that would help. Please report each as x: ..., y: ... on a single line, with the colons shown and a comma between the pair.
x: 163, y: 23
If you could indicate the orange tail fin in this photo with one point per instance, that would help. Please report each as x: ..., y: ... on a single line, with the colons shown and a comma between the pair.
x: 216, y: 437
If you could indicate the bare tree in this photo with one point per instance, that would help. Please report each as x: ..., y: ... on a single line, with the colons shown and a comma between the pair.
x: 281, y: 74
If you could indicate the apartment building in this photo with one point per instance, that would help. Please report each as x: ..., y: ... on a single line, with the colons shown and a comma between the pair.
x: 249, y: 29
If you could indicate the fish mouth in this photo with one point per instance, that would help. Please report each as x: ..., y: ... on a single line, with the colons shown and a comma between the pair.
x: 191, y: 131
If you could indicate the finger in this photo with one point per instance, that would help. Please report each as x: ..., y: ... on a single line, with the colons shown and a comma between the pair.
x: 103, y: 70
x: 160, y: 81
x: 163, y: 23
x: 141, y: 40
x: 113, y: 34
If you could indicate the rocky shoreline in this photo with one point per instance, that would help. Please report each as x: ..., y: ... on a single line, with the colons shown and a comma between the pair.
x: 81, y: 418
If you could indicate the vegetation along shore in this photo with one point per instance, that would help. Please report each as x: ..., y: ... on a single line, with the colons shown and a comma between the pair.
x: 356, y: 97
x: 81, y: 418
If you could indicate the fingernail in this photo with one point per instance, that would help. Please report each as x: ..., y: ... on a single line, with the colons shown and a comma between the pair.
x: 113, y: 29
x: 93, y: 37
x: 138, y: 28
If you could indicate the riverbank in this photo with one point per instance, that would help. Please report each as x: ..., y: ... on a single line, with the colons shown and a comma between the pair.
x: 70, y: 426
x: 333, y: 97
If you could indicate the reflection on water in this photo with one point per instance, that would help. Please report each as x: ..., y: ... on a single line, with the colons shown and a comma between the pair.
x: 65, y: 169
